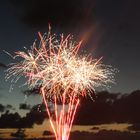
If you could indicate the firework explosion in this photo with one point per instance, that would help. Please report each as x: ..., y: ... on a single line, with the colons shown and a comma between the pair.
x: 63, y: 75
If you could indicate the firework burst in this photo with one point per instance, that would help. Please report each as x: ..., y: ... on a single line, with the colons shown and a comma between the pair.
x: 63, y: 75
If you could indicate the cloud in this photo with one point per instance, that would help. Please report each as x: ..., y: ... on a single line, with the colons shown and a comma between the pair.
x: 9, y: 120
x: 46, y: 133
x: 3, y: 65
x: 40, y: 13
x: 110, y: 108
x: 2, y: 108
x: 14, y: 120
x: 33, y: 117
x: 107, y: 108
x: 34, y: 91
x: 20, y: 133
x: 9, y: 107
x: 6, y: 107
x: 95, y: 128
x: 24, y: 106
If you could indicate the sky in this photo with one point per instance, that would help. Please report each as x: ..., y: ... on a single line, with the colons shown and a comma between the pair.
x: 108, y: 28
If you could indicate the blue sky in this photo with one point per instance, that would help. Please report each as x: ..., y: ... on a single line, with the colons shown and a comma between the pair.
x: 113, y: 34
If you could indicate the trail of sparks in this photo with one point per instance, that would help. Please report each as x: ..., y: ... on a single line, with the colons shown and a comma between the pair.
x: 63, y: 75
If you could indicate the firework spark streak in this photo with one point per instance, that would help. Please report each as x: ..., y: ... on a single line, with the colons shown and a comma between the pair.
x: 63, y: 75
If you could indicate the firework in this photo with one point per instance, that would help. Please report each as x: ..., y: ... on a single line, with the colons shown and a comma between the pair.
x: 63, y: 75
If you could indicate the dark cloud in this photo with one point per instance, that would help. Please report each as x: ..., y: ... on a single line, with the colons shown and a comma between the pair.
x: 9, y: 120
x: 2, y: 108
x: 39, y: 107
x: 3, y: 65
x: 20, y: 133
x: 110, y: 108
x: 6, y: 107
x: 33, y: 117
x: 24, y: 106
x: 40, y: 13
x: 9, y: 107
x: 14, y: 120
x: 46, y: 133
x: 107, y: 108
x: 34, y: 91
x: 95, y: 128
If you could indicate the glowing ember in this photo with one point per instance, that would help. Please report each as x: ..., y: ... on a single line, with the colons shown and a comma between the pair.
x: 63, y: 76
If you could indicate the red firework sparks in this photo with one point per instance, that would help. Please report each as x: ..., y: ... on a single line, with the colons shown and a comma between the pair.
x: 63, y: 75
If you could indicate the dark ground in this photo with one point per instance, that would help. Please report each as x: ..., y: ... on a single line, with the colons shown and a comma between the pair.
x: 101, y: 135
